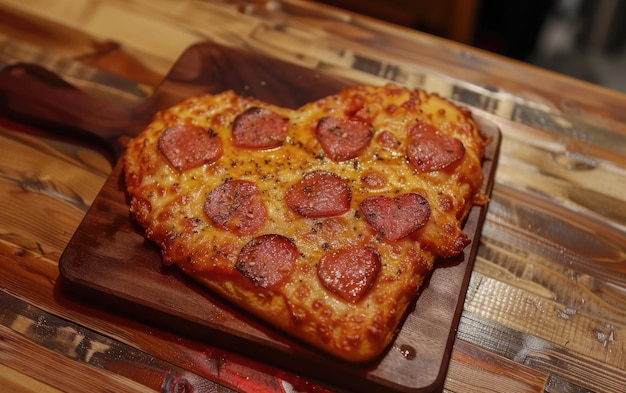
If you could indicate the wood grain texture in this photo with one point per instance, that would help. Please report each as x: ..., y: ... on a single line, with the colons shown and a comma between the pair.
x: 44, y: 198
x: 108, y: 259
x: 316, y: 36
x: 29, y: 327
x: 54, y: 369
x: 30, y: 247
x: 496, y: 375
x: 16, y: 382
x: 533, y: 289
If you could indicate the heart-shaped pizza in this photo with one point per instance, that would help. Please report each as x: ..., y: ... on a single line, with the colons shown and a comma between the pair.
x: 324, y: 220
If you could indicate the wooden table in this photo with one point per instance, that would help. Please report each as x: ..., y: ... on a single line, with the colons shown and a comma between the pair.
x: 545, y: 309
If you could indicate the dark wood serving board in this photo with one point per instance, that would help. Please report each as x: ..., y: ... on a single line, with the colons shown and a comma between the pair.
x: 109, y: 261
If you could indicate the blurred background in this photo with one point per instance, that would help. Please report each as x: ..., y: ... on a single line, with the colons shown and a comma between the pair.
x: 585, y: 39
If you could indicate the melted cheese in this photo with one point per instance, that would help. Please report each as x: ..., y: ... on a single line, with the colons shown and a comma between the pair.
x: 169, y: 205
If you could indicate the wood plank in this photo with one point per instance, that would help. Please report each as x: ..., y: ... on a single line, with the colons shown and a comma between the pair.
x: 29, y: 252
x: 575, y: 333
x: 490, y: 372
x: 45, y: 194
x: 560, y: 165
x: 120, y: 266
x: 14, y: 381
x: 312, y: 42
x: 573, y: 371
x: 96, y: 354
x: 35, y: 280
x: 318, y: 37
x: 53, y: 369
x: 513, y: 313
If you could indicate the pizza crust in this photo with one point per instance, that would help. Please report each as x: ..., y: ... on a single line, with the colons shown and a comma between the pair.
x: 376, y: 247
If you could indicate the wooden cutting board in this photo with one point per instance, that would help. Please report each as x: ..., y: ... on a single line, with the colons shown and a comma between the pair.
x: 109, y: 261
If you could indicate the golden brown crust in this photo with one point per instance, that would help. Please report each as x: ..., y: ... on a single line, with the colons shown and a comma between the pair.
x: 350, y: 311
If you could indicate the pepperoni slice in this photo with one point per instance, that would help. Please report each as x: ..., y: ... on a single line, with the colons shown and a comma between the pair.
x: 398, y: 217
x: 343, y: 139
x: 373, y: 179
x: 421, y: 128
x: 319, y: 194
x: 350, y: 272
x: 267, y: 260
x: 187, y: 146
x: 259, y: 128
x: 433, y: 152
x: 236, y: 206
x: 388, y: 140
